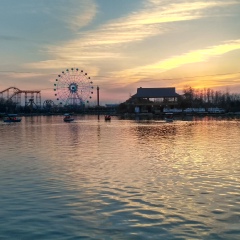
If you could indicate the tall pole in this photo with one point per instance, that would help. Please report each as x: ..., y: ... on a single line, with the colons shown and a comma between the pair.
x: 98, y: 101
x: 98, y: 96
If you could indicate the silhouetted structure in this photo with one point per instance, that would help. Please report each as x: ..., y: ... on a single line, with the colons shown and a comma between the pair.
x: 154, y: 99
x: 14, y: 94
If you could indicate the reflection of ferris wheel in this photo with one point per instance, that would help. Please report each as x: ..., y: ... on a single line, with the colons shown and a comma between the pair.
x: 73, y: 87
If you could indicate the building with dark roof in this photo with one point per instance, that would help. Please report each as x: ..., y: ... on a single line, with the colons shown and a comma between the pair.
x: 154, y: 100
x: 156, y: 93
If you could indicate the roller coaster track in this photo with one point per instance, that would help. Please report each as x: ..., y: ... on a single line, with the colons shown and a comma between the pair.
x: 15, y: 93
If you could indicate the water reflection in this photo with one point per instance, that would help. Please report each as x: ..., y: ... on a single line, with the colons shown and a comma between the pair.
x: 120, y: 179
x: 152, y: 131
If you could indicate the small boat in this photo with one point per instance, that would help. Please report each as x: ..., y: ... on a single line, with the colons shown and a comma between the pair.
x: 107, y: 118
x: 12, y: 118
x: 67, y: 118
x: 169, y: 117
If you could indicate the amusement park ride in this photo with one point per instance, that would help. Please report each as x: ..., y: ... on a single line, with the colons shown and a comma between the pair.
x: 72, y: 87
x: 14, y: 94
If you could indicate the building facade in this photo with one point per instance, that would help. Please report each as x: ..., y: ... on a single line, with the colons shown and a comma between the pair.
x: 154, y: 100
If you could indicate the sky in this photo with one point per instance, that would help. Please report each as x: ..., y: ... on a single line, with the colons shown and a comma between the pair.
x: 121, y: 45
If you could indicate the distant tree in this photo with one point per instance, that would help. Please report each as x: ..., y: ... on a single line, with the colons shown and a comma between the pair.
x: 122, y: 108
x: 207, y: 97
x: 187, y: 98
x: 2, y: 105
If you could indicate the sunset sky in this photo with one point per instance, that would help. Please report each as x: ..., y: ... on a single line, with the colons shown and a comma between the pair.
x: 121, y: 44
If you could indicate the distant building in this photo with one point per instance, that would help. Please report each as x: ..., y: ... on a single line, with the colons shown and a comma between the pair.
x: 154, y: 100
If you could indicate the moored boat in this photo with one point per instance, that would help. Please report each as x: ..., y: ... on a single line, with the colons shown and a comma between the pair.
x: 67, y: 118
x: 169, y: 117
x: 107, y: 117
x: 12, y: 118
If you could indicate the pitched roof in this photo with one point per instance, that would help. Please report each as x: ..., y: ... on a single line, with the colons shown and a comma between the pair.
x: 155, y: 92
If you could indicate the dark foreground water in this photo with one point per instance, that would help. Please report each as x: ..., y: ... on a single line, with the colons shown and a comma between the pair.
x: 122, y: 179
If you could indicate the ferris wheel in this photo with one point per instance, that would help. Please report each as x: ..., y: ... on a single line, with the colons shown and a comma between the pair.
x: 73, y: 87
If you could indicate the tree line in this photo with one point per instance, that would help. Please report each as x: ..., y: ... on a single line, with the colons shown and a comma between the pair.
x: 6, y: 105
x: 206, y: 98
x: 9, y: 106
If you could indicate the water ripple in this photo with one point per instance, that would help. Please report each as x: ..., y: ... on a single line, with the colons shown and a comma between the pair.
x: 119, y: 180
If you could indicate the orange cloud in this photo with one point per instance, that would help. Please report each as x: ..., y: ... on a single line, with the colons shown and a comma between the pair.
x: 201, y: 55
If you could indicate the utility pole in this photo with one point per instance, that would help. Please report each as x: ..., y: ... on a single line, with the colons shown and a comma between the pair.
x: 98, y: 101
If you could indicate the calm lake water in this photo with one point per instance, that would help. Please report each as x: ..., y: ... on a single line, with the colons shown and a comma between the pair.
x: 122, y: 179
